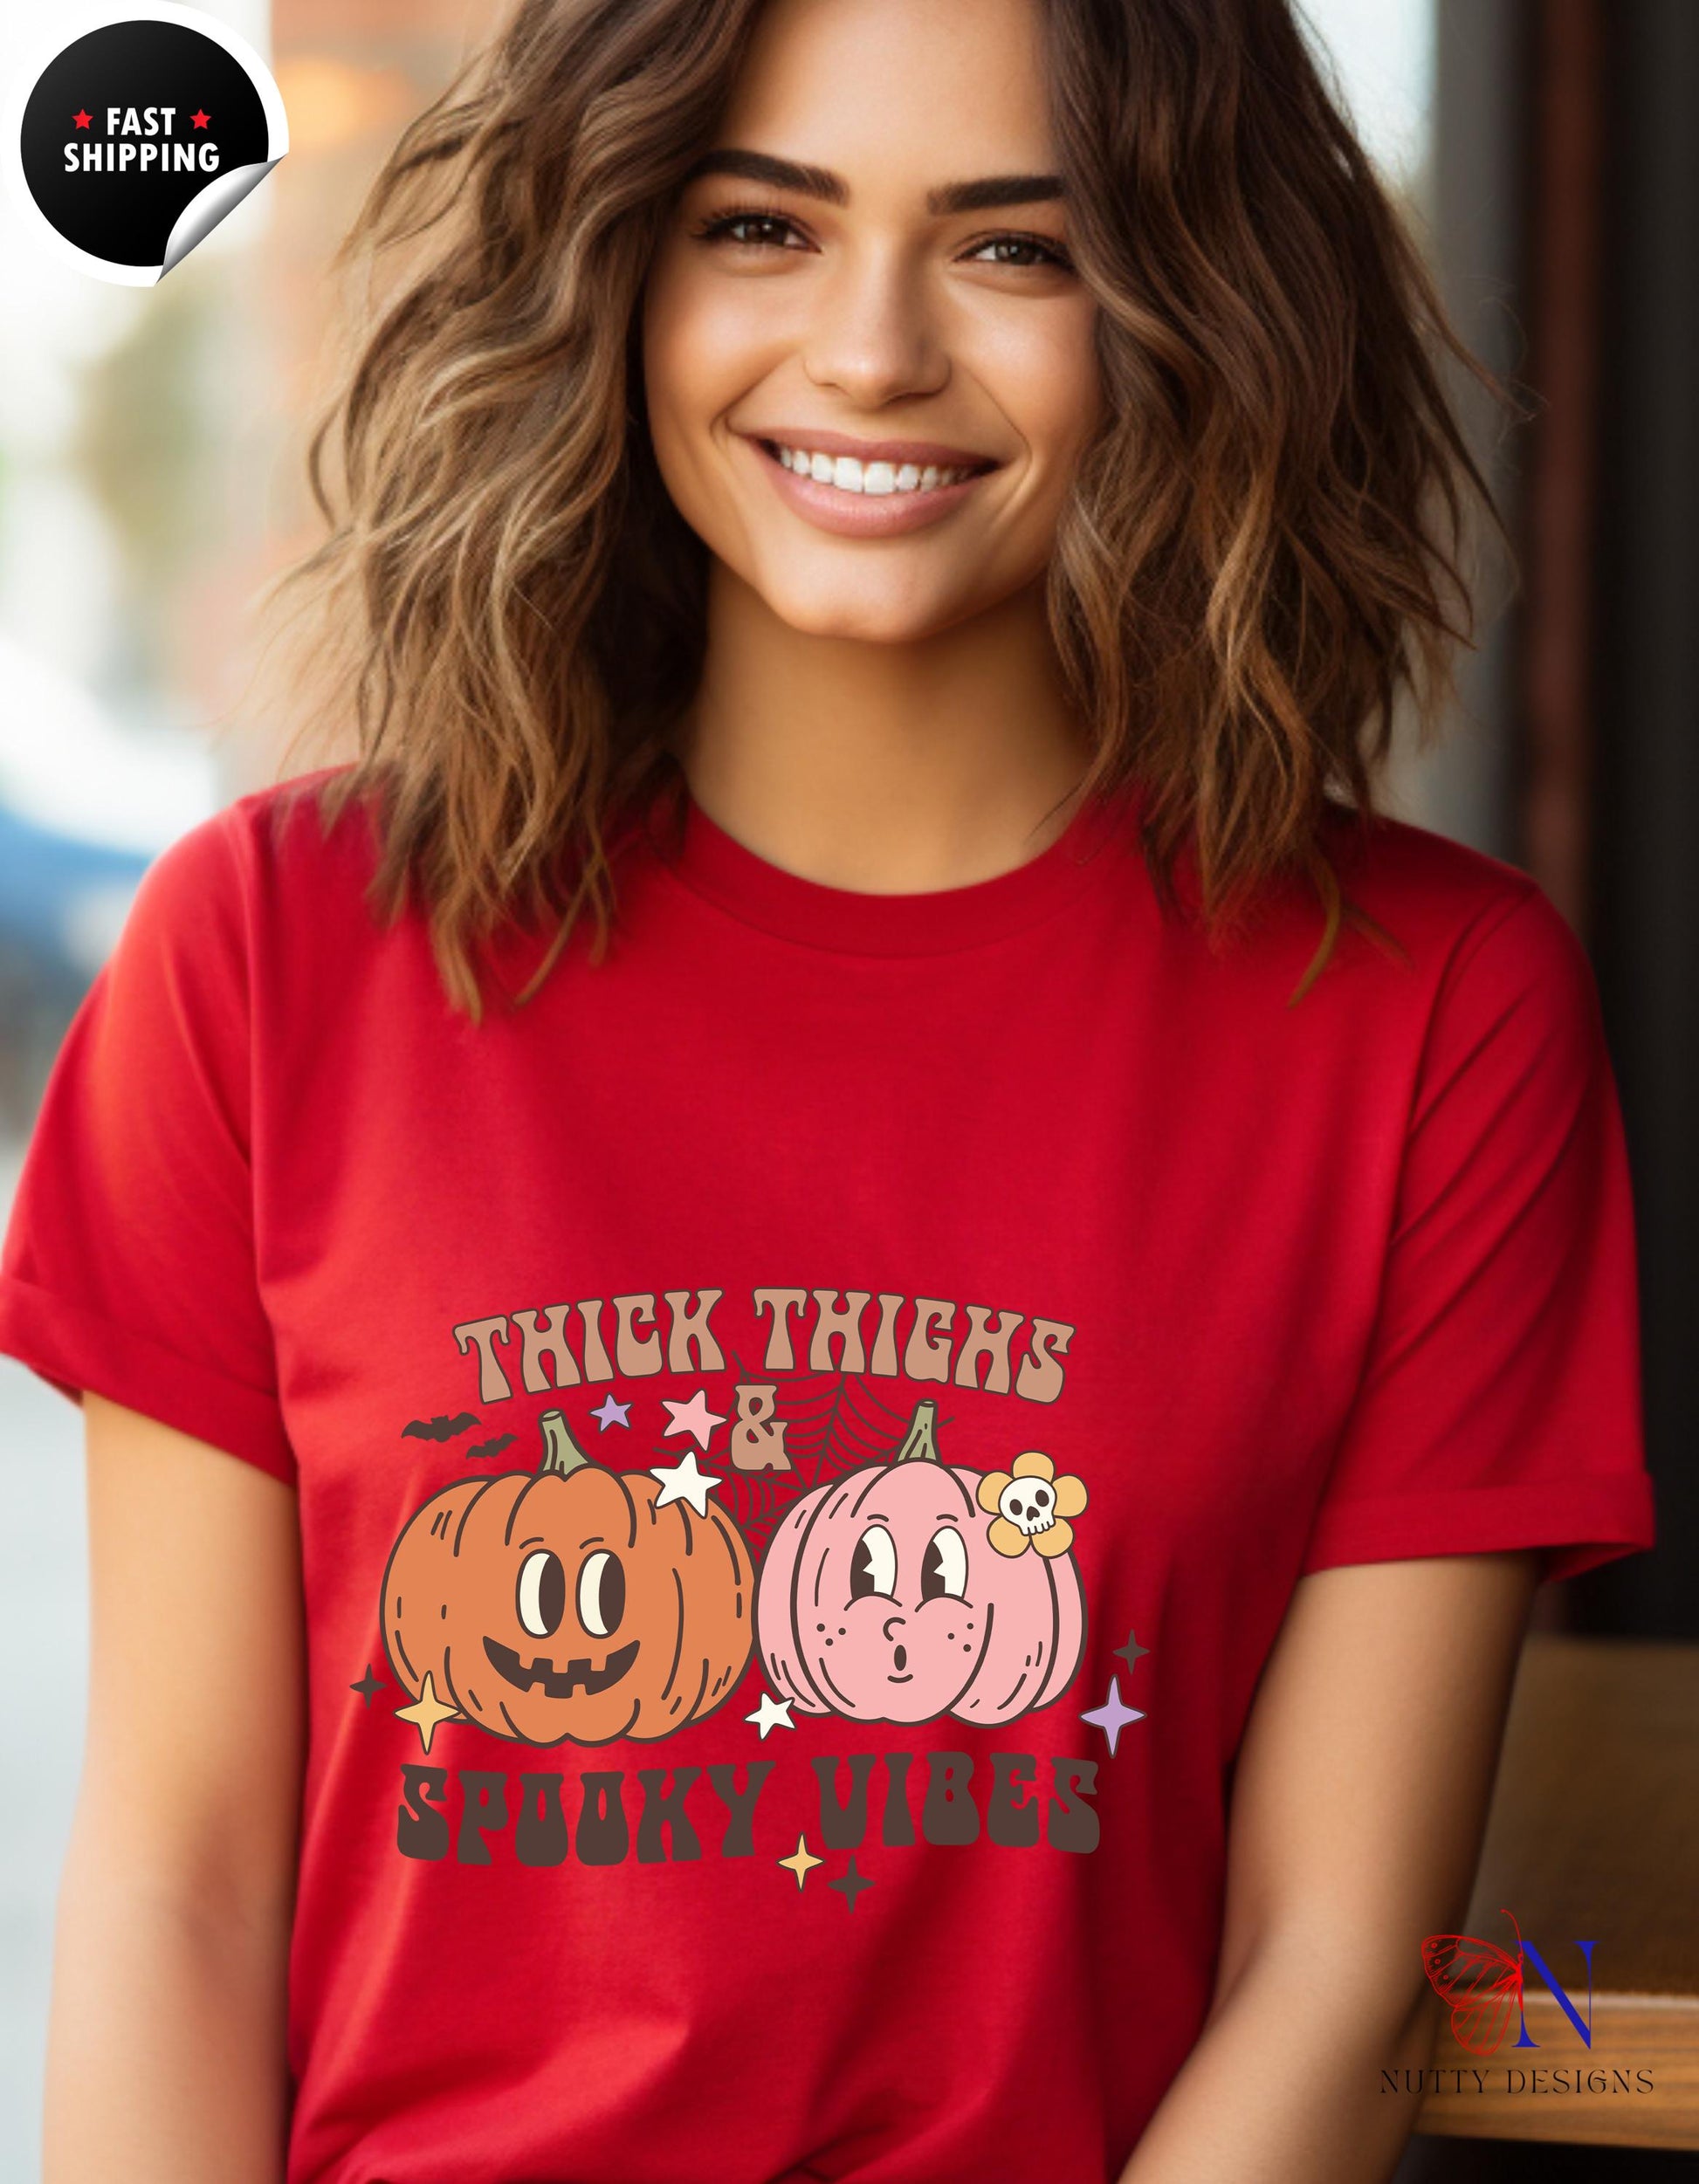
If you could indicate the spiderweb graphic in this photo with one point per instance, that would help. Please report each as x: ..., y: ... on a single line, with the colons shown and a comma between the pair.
x: 834, y: 1424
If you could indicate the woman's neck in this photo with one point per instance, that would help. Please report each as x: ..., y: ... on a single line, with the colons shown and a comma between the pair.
x: 884, y: 768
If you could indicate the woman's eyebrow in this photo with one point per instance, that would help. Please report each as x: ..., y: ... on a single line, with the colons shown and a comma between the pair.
x: 985, y: 195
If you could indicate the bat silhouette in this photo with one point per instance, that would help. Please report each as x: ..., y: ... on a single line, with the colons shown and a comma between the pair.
x: 490, y: 1448
x: 1481, y: 1982
x: 437, y: 1429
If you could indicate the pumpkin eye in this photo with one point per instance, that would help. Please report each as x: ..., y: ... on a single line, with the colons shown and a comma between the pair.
x: 943, y: 1573
x: 542, y: 1593
x: 874, y: 1569
x: 602, y: 1594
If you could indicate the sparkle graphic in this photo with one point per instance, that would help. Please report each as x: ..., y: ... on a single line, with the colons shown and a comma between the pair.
x: 802, y: 1861
x: 428, y: 1711
x: 367, y: 1684
x: 1132, y: 1652
x: 694, y: 1416
x: 850, y: 1885
x: 1112, y: 1716
x: 684, y: 1481
x: 608, y: 1413
x: 772, y: 1714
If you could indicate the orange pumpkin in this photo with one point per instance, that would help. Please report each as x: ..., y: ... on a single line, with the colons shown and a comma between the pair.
x: 569, y: 1602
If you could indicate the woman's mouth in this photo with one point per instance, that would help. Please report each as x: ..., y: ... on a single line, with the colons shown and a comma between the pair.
x: 874, y: 480
x: 855, y: 499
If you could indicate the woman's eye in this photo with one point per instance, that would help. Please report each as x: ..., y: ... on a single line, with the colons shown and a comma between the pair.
x: 722, y: 226
x: 1048, y: 252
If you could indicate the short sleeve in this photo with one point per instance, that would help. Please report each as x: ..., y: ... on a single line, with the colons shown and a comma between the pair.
x: 129, y: 1265
x: 1500, y: 1406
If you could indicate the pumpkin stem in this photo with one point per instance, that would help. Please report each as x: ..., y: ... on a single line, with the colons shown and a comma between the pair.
x: 921, y: 1439
x: 560, y: 1451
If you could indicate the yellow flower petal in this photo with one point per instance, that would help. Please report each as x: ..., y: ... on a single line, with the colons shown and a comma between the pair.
x: 1057, y: 1540
x: 1069, y: 1495
x: 1034, y: 1464
x: 1009, y: 1539
x: 991, y: 1486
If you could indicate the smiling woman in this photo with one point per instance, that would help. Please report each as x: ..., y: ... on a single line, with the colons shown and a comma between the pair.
x: 1127, y: 267
x: 872, y: 548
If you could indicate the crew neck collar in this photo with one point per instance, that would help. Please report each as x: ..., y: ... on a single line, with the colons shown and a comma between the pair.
x: 716, y: 866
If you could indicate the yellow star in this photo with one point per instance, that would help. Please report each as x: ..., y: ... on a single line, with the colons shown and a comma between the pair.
x: 426, y: 1711
x: 802, y: 1861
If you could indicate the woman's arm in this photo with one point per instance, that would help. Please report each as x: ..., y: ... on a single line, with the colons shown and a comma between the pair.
x: 1359, y: 1806
x: 166, y: 2042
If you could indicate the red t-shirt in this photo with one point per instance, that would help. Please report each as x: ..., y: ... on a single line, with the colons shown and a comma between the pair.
x: 805, y: 1433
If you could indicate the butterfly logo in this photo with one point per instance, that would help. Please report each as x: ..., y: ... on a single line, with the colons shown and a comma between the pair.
x: 1481, y: 1982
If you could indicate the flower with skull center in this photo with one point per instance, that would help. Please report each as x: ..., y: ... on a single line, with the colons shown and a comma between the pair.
x: 1030, y: 1507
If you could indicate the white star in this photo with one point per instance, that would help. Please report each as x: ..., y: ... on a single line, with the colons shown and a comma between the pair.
x: 608, y: 1413
x: 772, y: 1714
x: 694, y: 1416
x: 684, y: 1481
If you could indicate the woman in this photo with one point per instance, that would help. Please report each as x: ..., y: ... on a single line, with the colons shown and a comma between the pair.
x: 891, y: 1476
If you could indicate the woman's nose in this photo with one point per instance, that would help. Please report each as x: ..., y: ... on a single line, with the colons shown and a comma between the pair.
x: 870, y: 336
x: 895, y: 1623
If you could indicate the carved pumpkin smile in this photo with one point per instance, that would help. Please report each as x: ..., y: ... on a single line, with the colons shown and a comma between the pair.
x: 560, y: 1683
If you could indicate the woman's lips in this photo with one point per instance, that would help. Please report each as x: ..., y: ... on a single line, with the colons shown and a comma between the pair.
x: 860, y: 515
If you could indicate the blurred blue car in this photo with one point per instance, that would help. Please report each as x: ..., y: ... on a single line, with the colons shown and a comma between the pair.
x: 62, y: 901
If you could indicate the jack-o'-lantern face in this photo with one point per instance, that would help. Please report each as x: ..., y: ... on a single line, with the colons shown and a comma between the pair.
x: 570, y: 1602
x: 881, y: 1598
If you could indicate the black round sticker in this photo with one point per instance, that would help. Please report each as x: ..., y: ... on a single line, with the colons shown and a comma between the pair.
x: 141, y: 134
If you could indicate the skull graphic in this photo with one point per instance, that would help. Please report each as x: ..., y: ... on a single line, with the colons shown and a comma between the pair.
x: 1029, y: 1504
x: 1032, y: 1506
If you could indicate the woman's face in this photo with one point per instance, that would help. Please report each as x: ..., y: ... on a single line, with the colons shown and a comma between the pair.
x: 859, y: 310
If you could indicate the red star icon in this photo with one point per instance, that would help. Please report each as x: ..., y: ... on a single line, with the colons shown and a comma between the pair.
x: 81, y: 118
x: 199, y: 118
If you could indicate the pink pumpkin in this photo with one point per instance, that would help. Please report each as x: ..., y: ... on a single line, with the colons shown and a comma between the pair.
x: 882, y: 1598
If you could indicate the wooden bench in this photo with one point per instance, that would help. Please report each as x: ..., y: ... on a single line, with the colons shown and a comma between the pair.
x: 1595, y: 1834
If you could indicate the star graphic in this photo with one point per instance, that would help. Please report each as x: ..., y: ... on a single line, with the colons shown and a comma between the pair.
x: 851, y: 1884
x: 684, y: 1481
x: 1132, y: 1652
x: 200, y: 119
x: 694, y: 1416
x: 427, y: 1711
x: 772, y: 1714
x: 1112, y: 1716
x: 608, y: 1413
x: 82, y: 119
x: 802, y: 1861
x: 367, y: 1684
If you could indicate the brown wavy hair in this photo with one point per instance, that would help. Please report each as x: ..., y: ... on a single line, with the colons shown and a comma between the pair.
x: 1262, y: 547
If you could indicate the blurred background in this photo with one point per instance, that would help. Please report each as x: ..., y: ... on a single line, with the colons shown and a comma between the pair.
x: 151, y: 445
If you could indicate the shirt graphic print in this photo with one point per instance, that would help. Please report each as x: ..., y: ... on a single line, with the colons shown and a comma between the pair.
x: 593, y: 1598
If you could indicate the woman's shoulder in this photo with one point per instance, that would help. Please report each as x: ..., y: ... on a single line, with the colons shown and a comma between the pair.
x: 1485, y: 941
x: 1441, y: 898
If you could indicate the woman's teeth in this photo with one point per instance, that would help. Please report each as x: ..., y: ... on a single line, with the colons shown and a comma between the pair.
x: 851, y: 475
